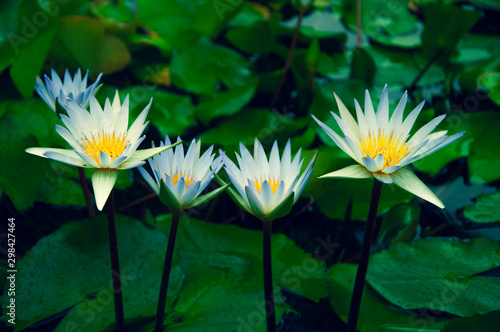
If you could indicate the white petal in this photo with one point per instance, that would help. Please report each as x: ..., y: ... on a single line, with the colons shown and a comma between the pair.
x: 410, y: 182
x: 336, y: 138
x: 397, y: 116
x: 405, y: 128
x: 147, y: 153
x: 347, y: 117
x: 254, y: 201
x: 104, y: 159
x: 383, y: 110
x: 274, y: 162
x: 131, y: 164
x: 103, y: 181
x: 65, y: 158
x: 371, y: 119
x: 423, y: 132
x: 353, y: 171
x: 191, y: 193
x: 363, y: 126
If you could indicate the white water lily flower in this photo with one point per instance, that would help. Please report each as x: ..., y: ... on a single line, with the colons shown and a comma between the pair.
x: 100, y: 140
x: 381, y: 146
x: 75, y: 89
x: 183, y: 177
x: 267, y: 188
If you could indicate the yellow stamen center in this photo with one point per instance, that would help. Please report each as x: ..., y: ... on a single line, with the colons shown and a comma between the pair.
x: 112, y: 145
x: 392, y: 148
x: 187, y: 178
x: 275, y: 183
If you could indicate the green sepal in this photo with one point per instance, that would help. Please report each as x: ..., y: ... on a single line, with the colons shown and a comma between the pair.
x: 167, y: 197
x: 205, y: 198
x: 235, y: 196
x: 282, y: 209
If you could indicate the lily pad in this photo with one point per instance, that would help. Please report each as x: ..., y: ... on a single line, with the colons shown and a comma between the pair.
x: 376, y: 314
x: 487, y: 209
x: 205, y: 248
x: 439, y: 275
x: 80, y: 249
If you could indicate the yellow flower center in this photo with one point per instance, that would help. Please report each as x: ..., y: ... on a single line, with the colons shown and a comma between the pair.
x: 187, y: 178
x: 112, y: 145
x: 392, y: 148
x: 275, y: 183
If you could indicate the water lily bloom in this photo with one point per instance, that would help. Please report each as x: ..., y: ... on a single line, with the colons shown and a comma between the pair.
x: 75, y: 89
x: 382, y: 146
x: 267, y: 188
x: 180, y: 178
x: 100, y: 139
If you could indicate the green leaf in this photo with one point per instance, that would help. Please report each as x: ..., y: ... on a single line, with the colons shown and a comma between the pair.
x: 250, y: 39
x: 400, y: 224
x: 388, y: 24
x: 441, y: 40
x: 86, y: 41
x: 211, y: 16
x: 487, y: 209
x: 282, y: 209
x: 477, y: 323
x: 217, y: 63
x: 60, y: 186
x: 227, y: 102
x: 80, y: 277
x: 375, y: 315
x: 313, y: 55
x: 491, y: 81
x: 205, y: 248
x: 29, y: 60
x: 251, y: 123
x: 206, y: 198
x: 167, y: 197
x: 21, y: 174
x: 362, y: 66
x: 439, y: 275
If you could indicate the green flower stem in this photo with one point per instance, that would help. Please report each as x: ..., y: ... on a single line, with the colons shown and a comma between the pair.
x: 166, y: 272
x: 359, y: 283
x: 86, y: 192
x: 268, y: 277
x: 115, y: 264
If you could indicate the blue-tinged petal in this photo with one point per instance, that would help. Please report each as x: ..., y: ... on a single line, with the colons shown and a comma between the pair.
x: 410, y: 182
x: 191, y: 193
x: 148, y: 153
x: 379, y: 161
x: 71, y: 159
x: 104, y: 159
x: 382, y: 177
x: 87, y: 159
x: 370, y: 164
x: 131, y: 164
x: 117, y: 161
x: 391, y: 169
x: 149, y: 179
x: 423, y: 132
x: 254, y: 201
x: 267, y: 197
x: 103, y: 181
x: 335, y: 137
